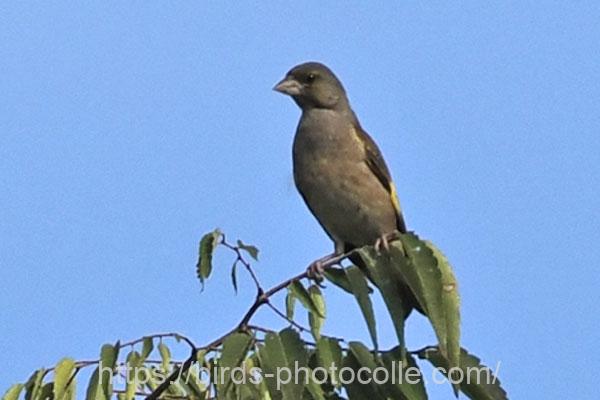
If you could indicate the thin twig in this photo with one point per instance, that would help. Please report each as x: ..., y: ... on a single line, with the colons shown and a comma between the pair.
x: 240, y: 258
x: 173, y: 335
x: 291, y: 321
x: 260, y: 329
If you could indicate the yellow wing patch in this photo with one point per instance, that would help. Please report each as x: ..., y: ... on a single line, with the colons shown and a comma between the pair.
x: 395, y: 201
x: 356, y: 137
x: 374, y: 160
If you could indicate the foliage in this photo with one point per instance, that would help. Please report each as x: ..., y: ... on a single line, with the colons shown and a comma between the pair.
x: 257, y: 363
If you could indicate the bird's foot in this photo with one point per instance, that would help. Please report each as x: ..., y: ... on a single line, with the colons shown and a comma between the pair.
x: 316, y: 269
x: 383, y: 242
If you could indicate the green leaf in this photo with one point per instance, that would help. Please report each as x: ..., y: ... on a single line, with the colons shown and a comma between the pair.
x: 47, y: 392
x: 109, y: 354
x: 383, y: 271
x: 234, y: 276
x: 315, y: 390
x: 200, y: 355
x: 422, y: 273
x: 62, y: 376
x: 208, y: 243
x: 424, y: 277
x: 154, y: 377
x: 302, y: 294
x: 194, y: 386
x: 93, y: 391
x: 187, y: 390
x: 383, y: 384
x: 235, y: 348
x: 409, y: 381
x: 451, y: 303
x: 277, y: 357
x: 316, y: 320
x: 329, y: 354
x: 249, y: 390
x: 251, y: 250
x: 430, y: 277
x: 165, y: 355
x: 293, y: 347
x: 147, y: 347
x: 295, y: 352
x: 33, y: 386
x: 175, y: 388
x: 108, y: 361
x: 271, y: 357
x: 338, y: 277
x: 13, y: 392
x: 356, y: 389
x: 262, y: 391
x: 133, y: 362
x: 211, y: 364
x: 290, y: 304
x: 71, y: 390
x: 476, y: 380
x: 365, y: 359
x: 360, y: 289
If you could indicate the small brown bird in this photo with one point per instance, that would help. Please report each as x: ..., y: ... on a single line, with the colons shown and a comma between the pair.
x: 338, y: 169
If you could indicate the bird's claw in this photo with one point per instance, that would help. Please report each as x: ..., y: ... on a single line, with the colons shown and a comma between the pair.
x: 383, y: 242
x: 315, y: 271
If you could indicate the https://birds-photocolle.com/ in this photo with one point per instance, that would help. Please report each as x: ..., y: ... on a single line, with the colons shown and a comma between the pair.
x: 338, y: 168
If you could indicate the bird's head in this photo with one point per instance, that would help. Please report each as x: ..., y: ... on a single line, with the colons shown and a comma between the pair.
x: 313, y: 85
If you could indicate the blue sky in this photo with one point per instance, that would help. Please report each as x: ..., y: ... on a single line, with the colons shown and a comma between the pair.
x: 128, y: 129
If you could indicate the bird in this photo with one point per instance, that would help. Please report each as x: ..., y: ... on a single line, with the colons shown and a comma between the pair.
x: 338, y: 168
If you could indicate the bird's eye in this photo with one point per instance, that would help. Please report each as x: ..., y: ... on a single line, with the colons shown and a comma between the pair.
x: 310, y: 78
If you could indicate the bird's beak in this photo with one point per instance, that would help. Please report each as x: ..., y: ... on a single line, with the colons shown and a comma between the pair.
x: 288, y: 86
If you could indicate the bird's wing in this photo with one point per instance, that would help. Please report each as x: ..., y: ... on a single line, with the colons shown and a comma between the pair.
x: 377, y: 165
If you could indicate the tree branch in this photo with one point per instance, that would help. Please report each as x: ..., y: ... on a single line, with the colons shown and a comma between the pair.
x: 262, y: 297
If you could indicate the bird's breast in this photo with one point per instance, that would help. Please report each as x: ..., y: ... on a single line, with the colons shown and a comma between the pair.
x: 328, y: 159
x: 326, y: 136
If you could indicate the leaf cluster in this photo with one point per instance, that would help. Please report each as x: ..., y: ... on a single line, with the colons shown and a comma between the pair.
x: 250, y: 362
